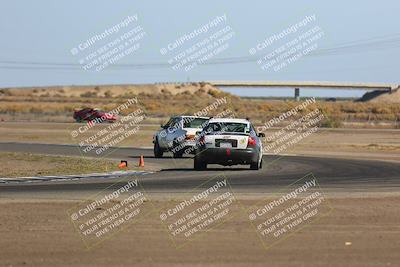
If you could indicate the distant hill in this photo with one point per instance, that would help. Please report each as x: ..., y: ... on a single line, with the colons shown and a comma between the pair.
x: 111, y: 90
x: 381, y: 97
x: 159, y: 101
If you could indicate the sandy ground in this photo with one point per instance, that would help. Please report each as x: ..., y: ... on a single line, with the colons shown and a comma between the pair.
x: 359, y: 231
x: 60, y: 133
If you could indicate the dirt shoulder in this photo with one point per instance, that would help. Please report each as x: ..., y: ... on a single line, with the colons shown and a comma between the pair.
x: 27, y: 164
x: 358, y: 232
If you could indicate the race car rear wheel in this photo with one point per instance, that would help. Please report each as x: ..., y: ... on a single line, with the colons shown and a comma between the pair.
x: 199, y: 165
x: 256, y: 165
x: 158, y: 152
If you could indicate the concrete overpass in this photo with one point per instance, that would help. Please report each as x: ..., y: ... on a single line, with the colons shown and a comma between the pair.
x: 309, y: 84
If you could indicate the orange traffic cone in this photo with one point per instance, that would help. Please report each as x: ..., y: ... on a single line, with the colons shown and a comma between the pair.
x: 123, y: 164
x: 141, y: 161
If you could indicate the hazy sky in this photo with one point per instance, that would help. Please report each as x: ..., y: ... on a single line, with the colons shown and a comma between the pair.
x: 37, y: 38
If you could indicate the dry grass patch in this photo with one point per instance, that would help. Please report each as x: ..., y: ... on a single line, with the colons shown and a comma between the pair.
x: 27, y: 164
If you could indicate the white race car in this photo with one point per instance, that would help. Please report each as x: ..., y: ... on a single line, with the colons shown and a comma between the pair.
x: 227, y: 141
x: 178, y: 135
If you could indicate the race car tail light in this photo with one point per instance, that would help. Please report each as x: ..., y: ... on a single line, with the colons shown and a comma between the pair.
x: 251, y: 141
x: 202, y: 140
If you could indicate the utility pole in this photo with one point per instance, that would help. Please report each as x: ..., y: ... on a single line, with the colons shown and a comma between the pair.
x: 297, y: 94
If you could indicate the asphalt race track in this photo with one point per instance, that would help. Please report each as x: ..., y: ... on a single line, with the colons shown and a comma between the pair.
x: 177, y: 175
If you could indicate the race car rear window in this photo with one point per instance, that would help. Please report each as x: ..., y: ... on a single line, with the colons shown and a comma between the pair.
x: 227, y: 127
x: 194, y: 122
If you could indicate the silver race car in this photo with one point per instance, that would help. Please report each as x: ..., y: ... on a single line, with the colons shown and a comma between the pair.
x: 178, y: 135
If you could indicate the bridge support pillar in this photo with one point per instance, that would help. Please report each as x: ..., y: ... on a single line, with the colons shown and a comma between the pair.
x: 297, y: 94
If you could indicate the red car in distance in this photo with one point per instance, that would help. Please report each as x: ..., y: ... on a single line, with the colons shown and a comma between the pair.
x: 94, y: 115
